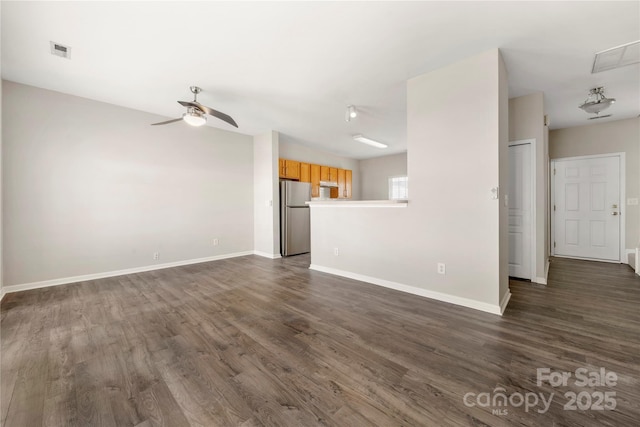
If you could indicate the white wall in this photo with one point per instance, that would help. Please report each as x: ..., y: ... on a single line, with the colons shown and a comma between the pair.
x: 1, y: 198
x: 526, y: 121
x: 266, y: 195
x: 503, y: 178
x: 91, y: 187
x: 375, y: 173
x: 455, y: 148
x: 294, y: 151
x: 603, y: 138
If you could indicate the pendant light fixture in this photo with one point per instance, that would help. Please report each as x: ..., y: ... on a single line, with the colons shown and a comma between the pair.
x: 596, y: 101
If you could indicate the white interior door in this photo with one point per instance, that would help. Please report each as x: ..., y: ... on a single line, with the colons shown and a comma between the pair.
x: 520, y: 210
x: 587, y: 208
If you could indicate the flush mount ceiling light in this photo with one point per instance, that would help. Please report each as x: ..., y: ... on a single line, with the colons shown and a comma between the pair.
x: 596, y: 101
x: 351, y: 113
x: 368, y: 141
x: 617, y: 57
x: 194, y: 117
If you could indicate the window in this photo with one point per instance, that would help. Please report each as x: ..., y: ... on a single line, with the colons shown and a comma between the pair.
x: 398, y: 187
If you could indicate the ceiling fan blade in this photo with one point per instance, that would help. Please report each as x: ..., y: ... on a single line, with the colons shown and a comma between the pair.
x: 189, y: 104
x: 222, y: 116
x: 167, y: 122
x: 210, y: 111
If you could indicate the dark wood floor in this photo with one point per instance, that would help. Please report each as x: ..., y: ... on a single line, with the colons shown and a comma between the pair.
x: 251, y: 341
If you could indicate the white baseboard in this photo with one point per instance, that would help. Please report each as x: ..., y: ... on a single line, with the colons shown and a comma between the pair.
x: 83, y: 278
x: 630, y: 258
x: 505, y: 301
x: 2, y: 292
x: 267, y: 255
x: 465, y: 302
x: 543, y: 280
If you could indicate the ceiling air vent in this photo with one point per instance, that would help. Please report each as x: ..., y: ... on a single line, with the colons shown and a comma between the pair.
x: 617, y: 57
x: 60, y: 50
x: 599, y: 117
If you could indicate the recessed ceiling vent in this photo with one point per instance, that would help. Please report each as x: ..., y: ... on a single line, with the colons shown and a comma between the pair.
x: 60, y: 50
x: 617, y: 57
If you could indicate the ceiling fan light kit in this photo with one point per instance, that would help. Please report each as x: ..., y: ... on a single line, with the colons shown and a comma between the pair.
x: 596, y: 101
x: 194, y: 117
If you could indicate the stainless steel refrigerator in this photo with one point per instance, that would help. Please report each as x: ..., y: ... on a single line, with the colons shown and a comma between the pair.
x: 295, y: 234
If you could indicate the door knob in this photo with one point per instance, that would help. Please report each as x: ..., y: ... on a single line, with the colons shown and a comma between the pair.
x: 614, y: 213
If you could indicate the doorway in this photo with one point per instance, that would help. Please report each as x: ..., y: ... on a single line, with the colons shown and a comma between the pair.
x: 522, y: 209
x: 586, y: 209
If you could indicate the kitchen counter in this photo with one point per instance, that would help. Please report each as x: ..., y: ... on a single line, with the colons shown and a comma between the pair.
x: 345, y: 203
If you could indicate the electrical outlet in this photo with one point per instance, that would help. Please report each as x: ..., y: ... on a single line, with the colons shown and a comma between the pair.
x: 216, y: 242
x: 336, y: 252
x: 442, y: 269
x: 156, y: 255
x: 632, y: 201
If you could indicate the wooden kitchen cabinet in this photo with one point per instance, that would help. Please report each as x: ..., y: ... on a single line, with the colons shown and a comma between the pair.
x: 324, y: 173
x: 289, y: 169
x: 342, y: 176
x: 292, y: 169
x: 327, y: 173
x: 315, y: 180
x: 305, y: 172
x: 345, y: 177
x: 333, y: 174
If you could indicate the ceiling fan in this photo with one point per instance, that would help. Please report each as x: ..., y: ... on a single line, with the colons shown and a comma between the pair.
x: 196, y: 112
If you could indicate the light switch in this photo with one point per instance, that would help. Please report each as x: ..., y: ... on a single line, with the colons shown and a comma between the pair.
x: 632, y: 201
x: 495, y: 193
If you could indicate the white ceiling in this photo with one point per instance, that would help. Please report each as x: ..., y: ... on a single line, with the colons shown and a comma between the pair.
x: 295, y: 66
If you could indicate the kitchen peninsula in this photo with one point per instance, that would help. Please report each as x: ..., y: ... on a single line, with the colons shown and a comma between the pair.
x: 342, y: 203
